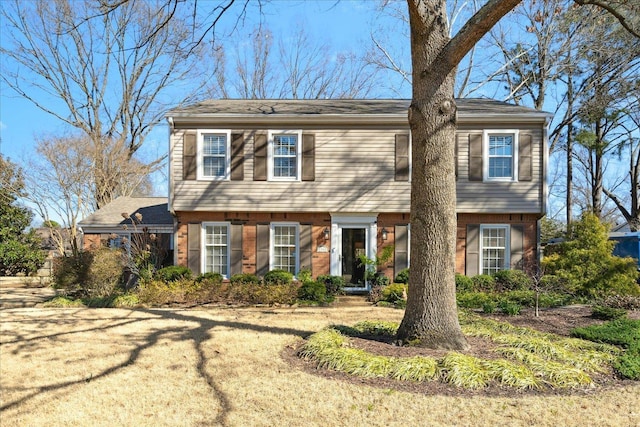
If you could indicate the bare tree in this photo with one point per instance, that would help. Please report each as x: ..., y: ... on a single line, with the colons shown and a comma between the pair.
x: 295, y: 67
x: 107, y: 70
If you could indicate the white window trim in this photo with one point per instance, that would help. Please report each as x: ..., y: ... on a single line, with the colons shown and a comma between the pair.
x: 200, y: 154
x: 272, y: 243
x: 486, y: 133
x: 507, y: 249
x: 203, y: 244
x: 270, y: 155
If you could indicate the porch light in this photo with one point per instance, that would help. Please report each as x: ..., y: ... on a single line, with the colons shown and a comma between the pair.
x: 326, y: 233
x: 385, y: 233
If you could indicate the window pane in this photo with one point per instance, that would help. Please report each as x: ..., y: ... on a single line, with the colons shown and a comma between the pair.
x: 214, y: 155
x: 285, y: 156
x: 500, y: 156
x: 494, y: 248
x: 284, y: 248
x: 216, y: 250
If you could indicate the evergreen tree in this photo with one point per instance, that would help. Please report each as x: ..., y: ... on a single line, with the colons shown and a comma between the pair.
x: 19, y: 249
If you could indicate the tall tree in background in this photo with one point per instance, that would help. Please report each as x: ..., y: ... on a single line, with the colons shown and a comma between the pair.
x: 289, y: 67
x: 114, y: 73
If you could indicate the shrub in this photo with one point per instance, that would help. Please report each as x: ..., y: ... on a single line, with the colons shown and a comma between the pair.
x: 105, y: 273
x: 173, y: 273
x: 70, y: 272
x: 403, y: 276
x: 333, y: 284
x: 483, y: 283
x: 510, y: 308
x: 278, y: 277
x: 585, y: 265
x: 622, y: 332
x: 395, y: 293
x: 244, y: 278
x: 512, y: 280
x: 489, y: 307
x: 305, y: 276
x: 472, y: 299
x: 312, y: 291
x: 210, y: 277
x: 607, y: 313
x: 375, y: 294
x: 628, y: 302
x: 463, y: 283
x: 522, y: 297
x: 380, y: 279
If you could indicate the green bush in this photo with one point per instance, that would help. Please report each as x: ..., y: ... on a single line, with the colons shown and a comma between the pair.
x: 511, y: 280
x: 312, y: 291
x: 394, y: 293
x: 210, y: 277
x: 483, y: 283
x: 585, y: 265
x: 380, y: 279
x: 521, y: 297
x: 105, y: 273
x: 278, y: 277
x: 473, y: 299
x: 607, y: 313
x: 403, y: 276
x: 463, y: 283
x: 510, y: 308
x: 489, y: 307
x: 333, y: 284
x: 173, y: 273
x: 622, y: 332
x: 244, y: 278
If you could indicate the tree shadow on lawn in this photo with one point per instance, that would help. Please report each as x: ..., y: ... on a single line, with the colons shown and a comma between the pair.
x: 197, y: 335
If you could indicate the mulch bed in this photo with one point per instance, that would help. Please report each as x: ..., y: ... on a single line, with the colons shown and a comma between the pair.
x: 559, y: 321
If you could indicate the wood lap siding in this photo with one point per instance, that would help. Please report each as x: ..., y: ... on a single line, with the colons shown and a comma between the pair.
x: 354, y: 171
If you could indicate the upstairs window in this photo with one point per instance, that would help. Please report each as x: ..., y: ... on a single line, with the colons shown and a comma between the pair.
x: 284, y: 155
x: 500, y: 160
x: 213, y: 154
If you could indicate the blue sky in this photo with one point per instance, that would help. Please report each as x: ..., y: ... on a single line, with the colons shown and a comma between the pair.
x: 345, y: 24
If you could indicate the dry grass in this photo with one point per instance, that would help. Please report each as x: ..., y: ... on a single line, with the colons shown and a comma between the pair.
x: 116, y: 367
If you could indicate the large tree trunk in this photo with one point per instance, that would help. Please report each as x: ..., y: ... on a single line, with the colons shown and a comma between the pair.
x: 431, y: 315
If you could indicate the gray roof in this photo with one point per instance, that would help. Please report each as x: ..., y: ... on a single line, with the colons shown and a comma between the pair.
x: 154, y: 211
x: 467, y: 107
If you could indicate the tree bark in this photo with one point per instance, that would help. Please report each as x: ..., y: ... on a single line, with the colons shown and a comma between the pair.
x: 431, y: 315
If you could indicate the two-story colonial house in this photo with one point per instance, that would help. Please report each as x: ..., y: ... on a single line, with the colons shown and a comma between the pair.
x: 256, y: 185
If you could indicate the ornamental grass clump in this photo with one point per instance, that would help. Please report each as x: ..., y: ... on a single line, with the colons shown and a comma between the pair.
x: 464, y: 371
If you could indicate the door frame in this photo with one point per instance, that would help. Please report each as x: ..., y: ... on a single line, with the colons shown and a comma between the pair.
x: 369, y: 222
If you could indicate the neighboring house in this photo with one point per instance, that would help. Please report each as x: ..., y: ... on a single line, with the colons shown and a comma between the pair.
x: 256, y: 185
x: 118, y: 223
